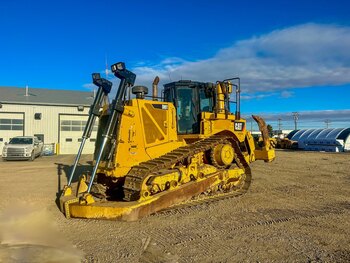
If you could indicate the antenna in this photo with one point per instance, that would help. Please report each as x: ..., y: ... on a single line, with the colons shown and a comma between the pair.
x: 169, y: 76
x: 106, y: 70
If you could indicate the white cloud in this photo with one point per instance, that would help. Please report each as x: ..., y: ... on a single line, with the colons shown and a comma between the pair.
x: 256, y: 96
x: 300, y: 56
x: 306, y: 120
x: 285, y: 94
x: 268, y: 65
x: 321, y: 115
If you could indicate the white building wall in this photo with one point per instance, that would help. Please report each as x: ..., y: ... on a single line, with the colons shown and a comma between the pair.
x: 48, y: 125
x: 70, y: 138
x: 5, y: 119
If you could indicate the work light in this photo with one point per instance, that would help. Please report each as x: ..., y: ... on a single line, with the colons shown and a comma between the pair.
x: 118, y: 66
x: 96, y: 76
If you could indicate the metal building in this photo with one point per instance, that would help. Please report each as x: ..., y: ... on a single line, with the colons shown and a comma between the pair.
x: 57, y: 117
x: 329, y: 140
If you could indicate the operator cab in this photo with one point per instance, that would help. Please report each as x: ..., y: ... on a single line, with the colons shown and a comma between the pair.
x: 190, y: 99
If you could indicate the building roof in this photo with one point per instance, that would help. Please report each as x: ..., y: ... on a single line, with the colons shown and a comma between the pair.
x: 35, y: 96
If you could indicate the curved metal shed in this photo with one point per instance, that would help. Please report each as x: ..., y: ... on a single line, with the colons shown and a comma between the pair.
x: 330, y: 140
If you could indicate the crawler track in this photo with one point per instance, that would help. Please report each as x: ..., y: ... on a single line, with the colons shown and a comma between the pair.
x: 136, y: 176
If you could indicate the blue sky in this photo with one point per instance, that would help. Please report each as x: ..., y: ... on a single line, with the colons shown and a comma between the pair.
x: 290, y: 55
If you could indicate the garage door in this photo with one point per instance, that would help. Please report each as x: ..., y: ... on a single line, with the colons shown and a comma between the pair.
x: 70, y: 132
x: 11, y: 125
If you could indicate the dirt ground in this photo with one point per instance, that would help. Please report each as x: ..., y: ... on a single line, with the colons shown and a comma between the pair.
x: 296, y: 210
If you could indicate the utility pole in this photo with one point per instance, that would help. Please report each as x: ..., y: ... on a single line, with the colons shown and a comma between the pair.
x: 295, y: 117
x: 279, y: 125
x: 327, y: 122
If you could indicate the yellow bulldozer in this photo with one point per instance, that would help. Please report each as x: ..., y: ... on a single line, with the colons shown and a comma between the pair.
x: 152, y: 153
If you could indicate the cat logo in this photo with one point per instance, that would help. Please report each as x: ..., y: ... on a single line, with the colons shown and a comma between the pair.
x: 239, y: 126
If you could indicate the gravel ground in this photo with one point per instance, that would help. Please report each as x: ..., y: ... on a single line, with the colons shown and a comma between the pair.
x: 297, y: 210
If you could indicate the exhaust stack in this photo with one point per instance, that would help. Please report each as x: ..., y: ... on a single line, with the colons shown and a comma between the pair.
x: 155, y: 88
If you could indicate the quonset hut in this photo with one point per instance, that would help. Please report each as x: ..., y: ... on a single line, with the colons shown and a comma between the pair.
x: 329, y: 140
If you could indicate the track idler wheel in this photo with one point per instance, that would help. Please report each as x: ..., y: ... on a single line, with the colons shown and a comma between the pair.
x: 222, y: 155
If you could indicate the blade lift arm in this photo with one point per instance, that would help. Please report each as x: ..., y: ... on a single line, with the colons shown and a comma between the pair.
x: 104, y: 88
x: 127, y: 79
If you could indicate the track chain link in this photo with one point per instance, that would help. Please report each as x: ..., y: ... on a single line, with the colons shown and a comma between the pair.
x: 139, y: 173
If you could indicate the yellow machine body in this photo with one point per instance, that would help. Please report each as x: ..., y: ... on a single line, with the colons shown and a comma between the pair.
x: 166, y: 168
x: 147, y: 131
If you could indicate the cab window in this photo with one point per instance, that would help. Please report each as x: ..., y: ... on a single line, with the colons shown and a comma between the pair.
x: 206, y: 104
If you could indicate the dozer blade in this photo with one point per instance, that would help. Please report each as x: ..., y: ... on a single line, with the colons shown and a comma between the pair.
x: 132, y: 211
x: 266, y: 152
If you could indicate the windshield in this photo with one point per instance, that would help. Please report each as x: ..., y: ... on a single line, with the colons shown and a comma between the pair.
x: 186, y: 109
x: 21, y: 141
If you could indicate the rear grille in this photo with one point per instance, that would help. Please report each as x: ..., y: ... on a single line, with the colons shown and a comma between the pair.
x: 14, y: 152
